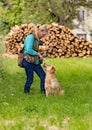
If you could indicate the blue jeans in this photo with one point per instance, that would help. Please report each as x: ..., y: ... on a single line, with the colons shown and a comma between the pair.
x: 30, y: 69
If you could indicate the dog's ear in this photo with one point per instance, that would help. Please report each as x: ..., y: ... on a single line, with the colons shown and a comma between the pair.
x: 52, y: 69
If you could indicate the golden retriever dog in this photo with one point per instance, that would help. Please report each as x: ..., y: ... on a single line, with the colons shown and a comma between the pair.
x: 52, y: 85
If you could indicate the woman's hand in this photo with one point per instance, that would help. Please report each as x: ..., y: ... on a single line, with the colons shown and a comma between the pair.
x: 40, y: 56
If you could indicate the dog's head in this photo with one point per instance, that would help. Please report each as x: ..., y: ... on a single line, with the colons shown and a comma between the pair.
x: 49, y: 68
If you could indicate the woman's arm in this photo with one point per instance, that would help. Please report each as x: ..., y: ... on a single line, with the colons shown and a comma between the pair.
x: 28, y: 45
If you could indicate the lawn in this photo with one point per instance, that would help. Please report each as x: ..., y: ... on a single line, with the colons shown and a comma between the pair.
x: 73, y: 111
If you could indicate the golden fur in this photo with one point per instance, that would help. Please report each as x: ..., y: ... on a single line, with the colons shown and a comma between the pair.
x: 52, y: 86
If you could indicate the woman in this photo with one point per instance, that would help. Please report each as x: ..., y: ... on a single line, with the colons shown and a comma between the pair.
x: 30, y: 68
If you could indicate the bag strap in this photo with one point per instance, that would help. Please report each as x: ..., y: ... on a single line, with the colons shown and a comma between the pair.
x: 35, y: 46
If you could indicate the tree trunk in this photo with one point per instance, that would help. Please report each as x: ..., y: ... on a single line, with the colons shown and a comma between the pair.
x: 61, y: 21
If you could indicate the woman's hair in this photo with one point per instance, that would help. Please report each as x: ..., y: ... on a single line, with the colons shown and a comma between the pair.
x: 34, y: 31
x: 39, y: 27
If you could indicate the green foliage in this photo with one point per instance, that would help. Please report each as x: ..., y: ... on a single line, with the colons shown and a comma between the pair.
x: 91, y: 32
x: 2, y: 47
x: 11, y: 16
x: 37, y: 12
x: 73, y: 111
x: 16, y: 12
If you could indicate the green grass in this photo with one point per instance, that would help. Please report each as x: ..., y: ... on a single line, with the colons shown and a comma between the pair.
x: 2, y: 46
x: 34, y: 111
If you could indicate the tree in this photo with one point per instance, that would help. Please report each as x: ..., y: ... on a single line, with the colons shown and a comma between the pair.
x: 64, y: 10
x: 14, y: 12
x: 38, y: 12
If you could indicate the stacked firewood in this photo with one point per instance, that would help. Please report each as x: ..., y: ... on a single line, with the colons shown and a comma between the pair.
x: 14, y: 40
x: 61, y: 42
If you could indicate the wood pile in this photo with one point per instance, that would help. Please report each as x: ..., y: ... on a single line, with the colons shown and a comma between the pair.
x: 14, y: 40
x: 61, y: 42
